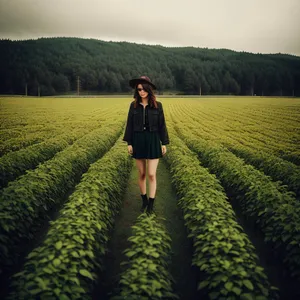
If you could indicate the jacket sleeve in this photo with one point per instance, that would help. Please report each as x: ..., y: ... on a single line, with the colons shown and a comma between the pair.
x: 163, y: 132
x: 129, y: 127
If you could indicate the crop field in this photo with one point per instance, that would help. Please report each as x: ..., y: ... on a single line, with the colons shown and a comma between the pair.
x: 227, y: 208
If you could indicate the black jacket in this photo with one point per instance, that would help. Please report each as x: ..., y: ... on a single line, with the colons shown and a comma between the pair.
x: 136, y: 121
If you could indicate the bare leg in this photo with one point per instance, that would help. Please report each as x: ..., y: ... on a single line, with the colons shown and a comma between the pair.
x: 141, y: 165
x: 152, y: 166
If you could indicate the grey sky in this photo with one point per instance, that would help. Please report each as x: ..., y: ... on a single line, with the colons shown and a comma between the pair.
x: 264, y: 26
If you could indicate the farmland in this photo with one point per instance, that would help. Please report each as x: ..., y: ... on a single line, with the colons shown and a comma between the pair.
x: 227, y: 222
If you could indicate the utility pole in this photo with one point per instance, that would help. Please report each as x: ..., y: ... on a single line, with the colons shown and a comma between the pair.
x: 39, y: 94
x: 78, y: 83
x: 26, y: 89
x: 200, y: 92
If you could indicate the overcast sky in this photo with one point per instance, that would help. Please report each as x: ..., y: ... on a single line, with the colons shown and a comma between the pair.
x: 259, y: 26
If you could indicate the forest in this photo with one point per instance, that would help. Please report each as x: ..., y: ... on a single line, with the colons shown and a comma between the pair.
x: 62, y: 66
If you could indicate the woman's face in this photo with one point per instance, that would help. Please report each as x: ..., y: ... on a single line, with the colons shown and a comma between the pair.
x: 142, y: 92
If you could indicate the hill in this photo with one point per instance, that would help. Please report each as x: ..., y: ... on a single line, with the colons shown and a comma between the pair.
x: 49, y: 66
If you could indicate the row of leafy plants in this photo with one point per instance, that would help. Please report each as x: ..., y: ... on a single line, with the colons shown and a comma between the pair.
x: 16, y: 138
x: 245, y: 131
x: 226, y: 258
x: 67, y: 263
x: 276, y: 167
x: 25, y: 203
x: 10, y: 132
x: 271, y: 205
x: 17, y: 143
x: 145, y: 273
x: 44, y: 127
x: 25, y: 139
x: 15, y: 163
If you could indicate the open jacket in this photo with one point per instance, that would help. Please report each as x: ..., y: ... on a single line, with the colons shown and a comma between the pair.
x: 136, y: 121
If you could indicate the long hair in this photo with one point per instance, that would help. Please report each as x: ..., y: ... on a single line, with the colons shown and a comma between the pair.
x: 151, y: 97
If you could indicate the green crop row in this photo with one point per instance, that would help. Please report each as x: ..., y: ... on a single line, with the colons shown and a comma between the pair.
x: 41, y: 132
x: 6, y: 134
x: 14, y: 164
x: 25, y: 203
x: 234, y: 128
x: 24, y: 131
x: 292, y: 156
x: 15, y: 144
x: 275, y: 210
x: 146, y: 275
x: 276, y: 167
x: 66, y: 264
x: 222, y: 251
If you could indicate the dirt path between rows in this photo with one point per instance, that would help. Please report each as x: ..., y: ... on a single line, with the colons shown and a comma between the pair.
x: 168, y: 213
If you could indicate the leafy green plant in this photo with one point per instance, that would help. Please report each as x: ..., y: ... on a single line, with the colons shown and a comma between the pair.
x: 275, y: 209
x: 222, y: 251
x: 25, y: 203
x: 231, y: 125
x: 146, y: 273
x: 276, y: 167
x: 14, y: 164
x: 66, y: 264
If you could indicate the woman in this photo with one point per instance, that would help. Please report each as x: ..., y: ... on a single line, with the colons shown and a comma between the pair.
x: 146, y: 135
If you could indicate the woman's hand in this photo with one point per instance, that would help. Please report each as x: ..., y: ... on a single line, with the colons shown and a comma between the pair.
x: 130, y: 150
x: 164, y: 149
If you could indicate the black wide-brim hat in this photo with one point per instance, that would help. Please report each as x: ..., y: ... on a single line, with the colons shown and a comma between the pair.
x: 142, y: 79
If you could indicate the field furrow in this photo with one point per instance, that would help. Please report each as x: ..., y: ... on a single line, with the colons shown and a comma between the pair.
x: 270, y: 204
x: 146, y: 270
x: 226, y: 221
x: 25, y: 203
x: 65, y: 266
x: 14, y: 164
x: 222, y: 251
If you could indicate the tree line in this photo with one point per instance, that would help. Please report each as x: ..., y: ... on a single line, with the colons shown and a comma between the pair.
x: 51, y: 66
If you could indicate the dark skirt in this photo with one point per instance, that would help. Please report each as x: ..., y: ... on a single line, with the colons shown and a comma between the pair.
x: 146, y: 145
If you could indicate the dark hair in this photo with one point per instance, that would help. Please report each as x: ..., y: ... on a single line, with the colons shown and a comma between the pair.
x: 148, y: 88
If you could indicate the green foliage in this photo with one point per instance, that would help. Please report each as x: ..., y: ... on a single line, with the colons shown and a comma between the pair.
x: 13, y: 164
x: 26, y: 126
x: 66, y: 264
x: 25, y: 203
x: 146, y: 273
x: 52, y: 65
x: 265, y: 127
x: 222, y: 251
x: 277, y: 168
x: 275, y: 209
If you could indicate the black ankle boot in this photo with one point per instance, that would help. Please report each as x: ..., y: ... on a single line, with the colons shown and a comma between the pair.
x: 145, y: 202
x: 150, y: 206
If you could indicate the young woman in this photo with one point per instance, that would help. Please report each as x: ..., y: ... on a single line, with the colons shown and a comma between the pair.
x: 146, y: 135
